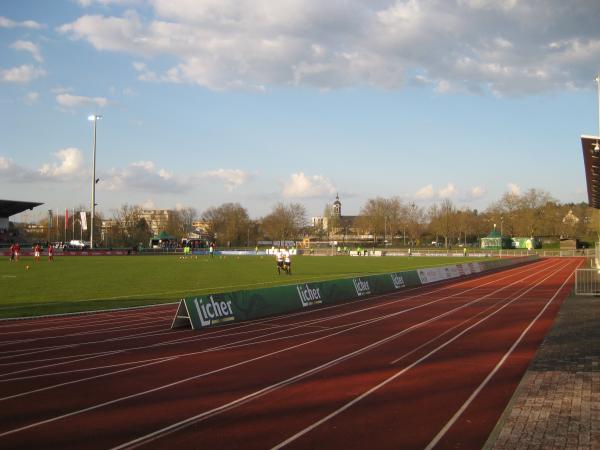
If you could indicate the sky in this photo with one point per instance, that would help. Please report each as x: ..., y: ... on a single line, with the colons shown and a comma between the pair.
x: 205, y: 102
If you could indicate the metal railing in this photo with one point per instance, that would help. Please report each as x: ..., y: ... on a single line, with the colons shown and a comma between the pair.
x: 587, y: 281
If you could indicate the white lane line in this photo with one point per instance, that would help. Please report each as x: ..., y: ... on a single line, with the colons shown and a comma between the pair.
x: 94, y: 377
x: 487, y: 379
x: 25, y: 323
x: 87, y: 369
x: 401, y: 372
x: 257, y: 394
x: 53, y: 348
x: 115, y: 325
x: 29, y: 350
x: 66, y: 359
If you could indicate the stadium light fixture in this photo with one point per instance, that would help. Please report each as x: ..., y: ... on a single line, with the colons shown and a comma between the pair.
x: 93, y: 118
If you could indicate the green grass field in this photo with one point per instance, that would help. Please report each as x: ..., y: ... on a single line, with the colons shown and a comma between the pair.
x: 72, y: 284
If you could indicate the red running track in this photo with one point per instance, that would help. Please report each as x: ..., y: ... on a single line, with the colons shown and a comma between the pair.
x: 426, y: 367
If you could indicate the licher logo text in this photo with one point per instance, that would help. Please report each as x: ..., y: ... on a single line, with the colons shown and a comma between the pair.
x: 212, y: 312
x: 362, y: 287
x: 397, y: 280
x: 309, y: 296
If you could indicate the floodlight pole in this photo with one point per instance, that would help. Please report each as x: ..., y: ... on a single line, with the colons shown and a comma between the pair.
x: 94, y: 118
x: 501, y: 232
x: 598, y: 83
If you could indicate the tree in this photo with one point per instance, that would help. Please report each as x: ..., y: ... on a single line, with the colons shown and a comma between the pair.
x: 229, y: 223
x: 415, y: 222
x: 443, y: 220
x: 284, y: 222
x: 180, y: 222
x: 132, y: 226
x: 373, y: 217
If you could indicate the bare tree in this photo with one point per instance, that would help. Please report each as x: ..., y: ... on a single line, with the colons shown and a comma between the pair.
x: 132, y: 226
x: 285, y: 222
x: 229, y: 223
x: 444, y: 220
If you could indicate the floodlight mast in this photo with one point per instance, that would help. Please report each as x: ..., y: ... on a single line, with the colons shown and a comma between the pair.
x: 94, y: 118
x: 598, y: 83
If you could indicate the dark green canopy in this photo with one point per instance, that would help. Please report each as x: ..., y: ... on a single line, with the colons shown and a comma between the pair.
x: 164, y: 236
x: 494, y: 234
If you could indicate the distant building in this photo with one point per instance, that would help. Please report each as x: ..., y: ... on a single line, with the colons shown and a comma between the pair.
x: 337, y: 223
x: 157, y: 219
x: 201, y: 226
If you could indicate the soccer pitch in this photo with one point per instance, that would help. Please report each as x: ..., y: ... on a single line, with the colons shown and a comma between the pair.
x: 74, y: 284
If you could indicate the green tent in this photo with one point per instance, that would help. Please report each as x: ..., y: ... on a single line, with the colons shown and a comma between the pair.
x: 164, y: 236
x: 493, y: 241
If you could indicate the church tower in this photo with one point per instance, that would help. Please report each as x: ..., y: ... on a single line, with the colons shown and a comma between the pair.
x: 337, y: 206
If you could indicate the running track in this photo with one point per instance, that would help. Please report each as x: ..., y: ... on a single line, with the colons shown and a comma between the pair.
x: 427, y: 367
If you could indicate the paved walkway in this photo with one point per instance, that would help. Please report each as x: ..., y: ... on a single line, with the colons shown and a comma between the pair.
x: 557, y: 404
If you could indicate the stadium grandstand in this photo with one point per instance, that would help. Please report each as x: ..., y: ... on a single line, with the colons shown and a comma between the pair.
x: 9, y: 208
x: 591, y: 158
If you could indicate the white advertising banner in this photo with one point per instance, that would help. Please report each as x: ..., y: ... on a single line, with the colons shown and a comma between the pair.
x: 83, y: 216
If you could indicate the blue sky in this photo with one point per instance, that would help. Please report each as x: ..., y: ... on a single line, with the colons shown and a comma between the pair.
x: 256, y: 102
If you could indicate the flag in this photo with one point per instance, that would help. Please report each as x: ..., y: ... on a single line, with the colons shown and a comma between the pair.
x: 83, y: 220
x: 66, y: 219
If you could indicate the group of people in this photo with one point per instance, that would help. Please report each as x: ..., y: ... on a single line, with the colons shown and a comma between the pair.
x: 284, y: 261
x: 15, y: 252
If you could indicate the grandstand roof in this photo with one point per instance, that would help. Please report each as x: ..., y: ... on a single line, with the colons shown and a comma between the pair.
x: 591, y: 159
x: 11, y: 207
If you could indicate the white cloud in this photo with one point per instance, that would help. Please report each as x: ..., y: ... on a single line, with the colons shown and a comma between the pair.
x: 70, y: 164
x: 514, y: 189
x: 447, y: 191
x: 148, y: 204
x: 12, y: 172
x: 87, y: 3
x: 233, y: 178
x: 302, y: 186
x: 30, y: 24
x: 504, y: 47
x: 143, y: 176
x: 32, y: 97
x: 476, y: 192
x: 21, y: 74
x: 426, y: 192
x: 30, y: 47
x: 73, y: 101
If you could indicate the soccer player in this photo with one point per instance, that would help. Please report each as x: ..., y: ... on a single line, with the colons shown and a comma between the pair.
x: 12, y: 253
x: 279, y: 259
x: 50, y: 252
x: 287, y: 262
x: 17, y: 251
x: 36, y: 253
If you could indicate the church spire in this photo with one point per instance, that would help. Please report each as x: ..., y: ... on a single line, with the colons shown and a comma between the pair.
x: 337, y: 206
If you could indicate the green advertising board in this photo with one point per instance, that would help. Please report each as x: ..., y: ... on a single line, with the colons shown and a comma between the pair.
x: 227, y: 307
x: 222, y: 308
